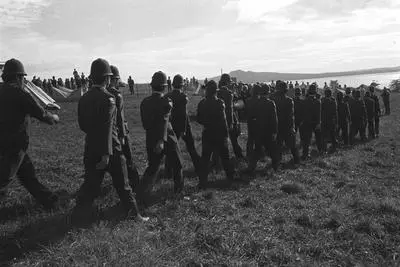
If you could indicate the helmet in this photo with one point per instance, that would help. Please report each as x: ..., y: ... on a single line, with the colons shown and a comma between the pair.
x: 115, y: 72
x: 100, y: 68
x: 357, y: 93
x: 348, y: 90
x: 339, y: 95
x: 281, y: 86
x: 265, y: 89
x: 257, y: 90
x: 13, y: 66
x: 211, y: 88
x: 159, y: 79
x: 313, y: 89
x: 225, y: 79
x: 177, y: 81
x: 328, y: 92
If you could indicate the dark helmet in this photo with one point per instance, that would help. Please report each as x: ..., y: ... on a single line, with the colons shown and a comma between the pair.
x: 225, y: 79
x: 328, y: 92
x: 13, y: 66
x: 211, y: 88
x: 159, y: 80
x: 281, y: 86
x: 257, y: 90
x: 265, y: 89
x: 357, y: 93
x: 177, y: 82
x: 313, y: 89
x: 100, y: 68
x: 348, y: 90
x: 114, y: 71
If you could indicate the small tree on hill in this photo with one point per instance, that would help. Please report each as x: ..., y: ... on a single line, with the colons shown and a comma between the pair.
x: 395, y: 85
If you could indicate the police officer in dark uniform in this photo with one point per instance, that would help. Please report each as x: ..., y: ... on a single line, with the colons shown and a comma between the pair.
x: 358, y: 114
x: 211, y: 114
x: 180, y: 121
x: 377, y: 110
x: 285, y: 112
x: 161, y: 140
x: 131, y: 84
x: 265, y: 120
x: 311, y: 121
x: 371, y: 113
x: 298, y: 102
x: 169, y: 84
x: 343, y: 118
x: 386, y: 100
x: 16, y: 107
x: 122, y: 127
x: 251, y: 127
x: 97, y: 113
x: 348, y: 95
x: 231, y: 117
x: 329, y: 120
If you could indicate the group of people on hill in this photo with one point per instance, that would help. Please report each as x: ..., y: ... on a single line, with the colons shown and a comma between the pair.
x: 273, y: 121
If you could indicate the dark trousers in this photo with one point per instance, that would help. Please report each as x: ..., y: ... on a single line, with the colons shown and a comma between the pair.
x: 237, y: 150
x: 133, y: 174
x: 18, y: 163
x: 250, y: 140
x: 357, y: 127
x: 289, y: 139
x: 220, y: 148
x: 387, y: 106
x: 377, y: 121
x: 371, y: 127
x: 344, y: 132
x: 306, y: 131
x: 328, y: 132
x: 174, y: 162
x: 269, y: 145
x: 93, y: 179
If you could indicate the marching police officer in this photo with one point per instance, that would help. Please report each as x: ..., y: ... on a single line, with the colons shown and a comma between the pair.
x: 16, y: 107
x: 97, y: 114
x: 161, y: 140
x: 122, y: 127
x: 371, y: 114
x: 358, y: 114
x: 377, y: 110
x: 285, y: 112
x: 311, y: 121
x: 343, y: 118
x: 231, y: 117
x: 329, y: 120
x: 251, y: 127
x: 297, y: 101
x: 386, y: 100
x: 265, y: 122
x: 131, y: 84
x: 180, y: 120
x: 211, y: 114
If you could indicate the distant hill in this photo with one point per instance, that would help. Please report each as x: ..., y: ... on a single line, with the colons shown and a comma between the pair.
x: 251, y: 76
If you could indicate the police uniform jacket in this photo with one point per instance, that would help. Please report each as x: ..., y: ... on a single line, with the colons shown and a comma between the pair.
x: 155, y: 111
x: 97, y: 119
x: 298, y: 102
x: 311, y: 110
x: 211, y: 114
x: 358, y: 111
x: 343, y: 112
x: 178, y: 117
x: 227, y: 96
x: 329, y: 116
x: 370, y: 107
x: 119, y: 101
x: 377, y: 105
x: 285, y: 112
x: 16, y: 107
x: 266, y: 120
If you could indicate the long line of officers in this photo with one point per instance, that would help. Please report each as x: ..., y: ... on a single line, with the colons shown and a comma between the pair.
x: 273, y: 120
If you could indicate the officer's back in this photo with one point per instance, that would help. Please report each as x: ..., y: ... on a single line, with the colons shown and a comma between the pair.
x: 227, y: 96
x: 369, y: 105
x: 311, y: 110
x: 179, y: 102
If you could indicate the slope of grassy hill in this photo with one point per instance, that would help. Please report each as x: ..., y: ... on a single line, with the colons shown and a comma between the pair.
x: 337, y: 210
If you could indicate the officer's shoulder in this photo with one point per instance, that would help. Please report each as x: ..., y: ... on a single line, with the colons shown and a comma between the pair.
x: 109, y: 97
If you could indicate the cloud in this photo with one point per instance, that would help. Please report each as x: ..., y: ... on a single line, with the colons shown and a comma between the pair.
x: 20, y: 13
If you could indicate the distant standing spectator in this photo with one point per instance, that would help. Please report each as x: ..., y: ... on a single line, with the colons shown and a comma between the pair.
x: 131, y: 84
x: 386, y: 100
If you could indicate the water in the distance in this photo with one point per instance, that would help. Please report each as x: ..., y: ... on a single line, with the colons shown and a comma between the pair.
x: 383, y: 79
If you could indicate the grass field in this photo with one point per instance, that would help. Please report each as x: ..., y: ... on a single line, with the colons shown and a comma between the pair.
x: 342, y: 209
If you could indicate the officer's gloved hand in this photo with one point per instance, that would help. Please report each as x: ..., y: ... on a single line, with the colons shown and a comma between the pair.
x: 55, y: 118
x: 103, y: 163
x: 159, y: 147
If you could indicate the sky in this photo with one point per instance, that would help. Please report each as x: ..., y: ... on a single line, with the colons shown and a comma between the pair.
x: 200, y: 37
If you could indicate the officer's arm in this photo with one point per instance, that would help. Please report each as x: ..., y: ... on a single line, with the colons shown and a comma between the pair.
x: 273, y: 119
x: 161, y: 131
x: 318, y: 112
x: 335, y: 112
x: 146, y: 115
x: 291, y: 113
x: 107, y: 117
x: 31, y: 107
x: 222, y: 118
x: 120, y: 116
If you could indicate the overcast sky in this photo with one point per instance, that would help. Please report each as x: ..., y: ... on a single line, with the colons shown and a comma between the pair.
x: 199, y: 37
